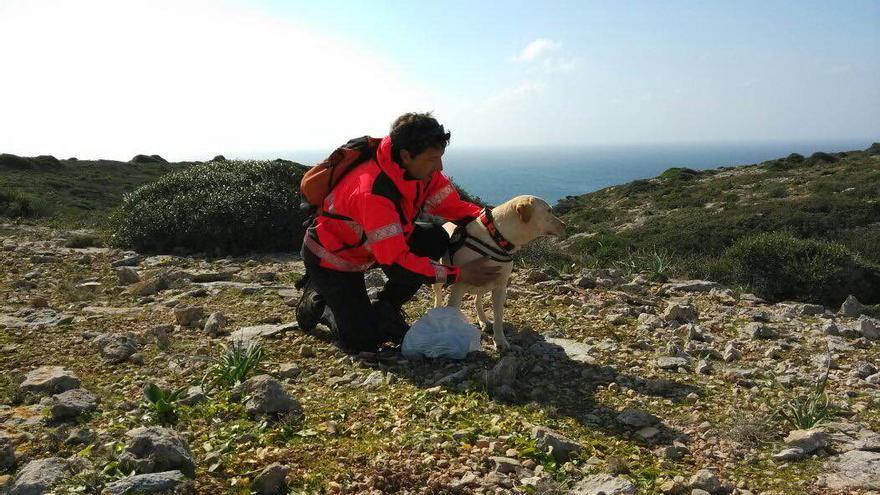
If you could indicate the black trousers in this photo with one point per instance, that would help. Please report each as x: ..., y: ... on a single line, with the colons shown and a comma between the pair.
x: 359, y: 323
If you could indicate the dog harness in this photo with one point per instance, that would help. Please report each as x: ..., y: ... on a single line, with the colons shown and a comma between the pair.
x: 500, y: 252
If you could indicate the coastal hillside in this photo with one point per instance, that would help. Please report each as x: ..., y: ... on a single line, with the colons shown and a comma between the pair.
x: 689, y: 219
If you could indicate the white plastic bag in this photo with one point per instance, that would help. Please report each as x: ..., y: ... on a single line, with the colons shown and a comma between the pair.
x: 443, y: 332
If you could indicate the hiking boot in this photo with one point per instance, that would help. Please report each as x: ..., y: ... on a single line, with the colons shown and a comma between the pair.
x: 310, y: 307
x: 391, y: 321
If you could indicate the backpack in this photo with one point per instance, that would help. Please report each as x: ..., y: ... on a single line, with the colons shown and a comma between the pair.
x: 317, y: 183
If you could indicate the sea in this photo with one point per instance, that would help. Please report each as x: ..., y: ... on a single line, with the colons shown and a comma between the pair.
x: 552, y: 173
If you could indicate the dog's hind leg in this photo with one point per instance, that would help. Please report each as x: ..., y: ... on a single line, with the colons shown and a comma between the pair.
x: 499, y: 295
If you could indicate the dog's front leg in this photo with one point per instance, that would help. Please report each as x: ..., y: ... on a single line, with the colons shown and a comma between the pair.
x: 481, y: 314
x: 499, y: 295
x: 456, y: 293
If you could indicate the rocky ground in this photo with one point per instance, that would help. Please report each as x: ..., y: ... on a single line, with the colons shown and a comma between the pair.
x: 614, y: 386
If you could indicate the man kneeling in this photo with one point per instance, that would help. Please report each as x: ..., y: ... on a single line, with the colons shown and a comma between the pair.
x: 369, y: 219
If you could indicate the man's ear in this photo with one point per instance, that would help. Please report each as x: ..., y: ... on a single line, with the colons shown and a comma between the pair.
x: 524, y: 210
x: 405, y: 156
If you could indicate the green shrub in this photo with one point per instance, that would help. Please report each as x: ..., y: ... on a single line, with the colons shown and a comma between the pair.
x: 795, y: 158
x: 16, y: 204
x: 679, y: 173
x: 779, y: 266
x: 233, y: 207
x: 14, y: 162
x: 162, y: 404
x: 546, y: 253
x: 234, y: 364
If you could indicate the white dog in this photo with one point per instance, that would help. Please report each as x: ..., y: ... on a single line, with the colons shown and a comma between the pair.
x: 497, y: 234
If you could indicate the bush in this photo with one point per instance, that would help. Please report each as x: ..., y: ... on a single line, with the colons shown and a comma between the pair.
x: 148, y: 159
x: 822, y: 157
x: 795, y: 158
x: 14, y: 162
x: 230, y: 207
x: 779, y: 266
x: 679, y: 173
x: 16, y: 204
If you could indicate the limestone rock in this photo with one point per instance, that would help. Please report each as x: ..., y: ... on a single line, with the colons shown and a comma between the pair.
x: 155, y: 449
x: 163, y: 482
x: 603, y: 484
x: 39, y: 476
x: 49, y: 380
x: 561, y: 448
x: 271, y: 480
x: 72, y: 403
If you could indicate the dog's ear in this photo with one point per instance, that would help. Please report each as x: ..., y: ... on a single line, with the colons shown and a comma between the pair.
x: 524, y: 210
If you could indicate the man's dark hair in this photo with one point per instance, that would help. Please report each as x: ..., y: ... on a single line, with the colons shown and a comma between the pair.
x: 416, y: 132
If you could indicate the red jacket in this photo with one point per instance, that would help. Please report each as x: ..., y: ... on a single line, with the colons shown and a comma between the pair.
x: 369, y: 216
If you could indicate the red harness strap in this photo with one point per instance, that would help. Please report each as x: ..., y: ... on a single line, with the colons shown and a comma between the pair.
x: 489, y: 222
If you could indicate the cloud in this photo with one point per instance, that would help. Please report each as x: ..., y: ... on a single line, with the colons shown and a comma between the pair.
x: 185, y: 79
x: 536, y: 49
x: 511, y: 95
x: 561, y: 64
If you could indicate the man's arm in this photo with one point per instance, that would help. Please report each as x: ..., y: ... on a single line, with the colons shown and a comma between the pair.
x: 385, y: 240
x: 443, y: 201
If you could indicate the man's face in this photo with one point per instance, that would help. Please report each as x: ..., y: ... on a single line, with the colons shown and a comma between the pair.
x: 423, y: 165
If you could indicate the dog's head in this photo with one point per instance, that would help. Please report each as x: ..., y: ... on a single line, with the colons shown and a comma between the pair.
x: 535, y: 218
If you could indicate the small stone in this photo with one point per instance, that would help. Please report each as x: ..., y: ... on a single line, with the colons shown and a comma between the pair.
x: 790, y: 454
x: 807, y: 440
x: 503, y: 373
x: 561, y: 447
x: 289, y: 370
x: 830, y: 328
x: 705, y: 479
x: 757, y: 330
x: 682, y: 313
x: 266, y: 396
x: 71, y: 403
x: 852, y: 307
x: 271, y: 480
x: 155, y: 449
x: 39, y: 476
x: 125, y: 275
x: 49, y: 379
x: 636, y: 418
x: 163, y: 482
x: 604, y: 484
x: 189, y: 316
x: 306, y: 351
x: 80, y: 436
x: 505, y: 465
x: 215, y: 324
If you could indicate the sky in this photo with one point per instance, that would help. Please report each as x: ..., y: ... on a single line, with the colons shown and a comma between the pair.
x: 190, y: 79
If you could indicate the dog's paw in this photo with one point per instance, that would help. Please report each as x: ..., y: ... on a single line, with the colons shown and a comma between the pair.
x: 486, y: 326
x: 502, y: 345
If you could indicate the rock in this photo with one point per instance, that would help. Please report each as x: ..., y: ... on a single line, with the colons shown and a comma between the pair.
x: 505, y: 465
x: 215, y: 323
x: 163, y: 482
x: 80, y: 436
x: 810, y: 309
x: 731, y: 353
x: 689, y: 286
x: 39, y: 302
x: 705, y: 479
x: 7, y: 454
x: 148, y: 287
x: 704, y: 367
x: 133, y: 260
x: 116, y: 347
x: 374, y: 380
x: 306, y: 351
x: 830, y: 328
x: 260, y: 331
x: 603, y: 484
x: 807, y: 440
x: 155, y: 449
x: 39, y: 476
x: 189, y: 316
x: 869, y: 328
x: 851, y: 307
x: 863, y: 369
x: 854, y: 469
x: 873, y: 379
x: 682, y: 313
x: 635, y: 418
x: 561, y: 448
x: 159, y: 333
x: 49, y: 380
x: 697, y: 491
x: 503, y: 373
x: 288, y: 370
x: 758, y: 330
x: 71, y: 404
x: 572, y: 349
x: 790, y: 454
x: 271, y: 480
x: 266, y: 396
x: 585, y: 282
x: 126, y: 275
x: 671, y: 363
x: 193, y: 396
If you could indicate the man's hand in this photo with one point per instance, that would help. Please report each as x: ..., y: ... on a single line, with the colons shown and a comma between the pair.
x: 478, y: 272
